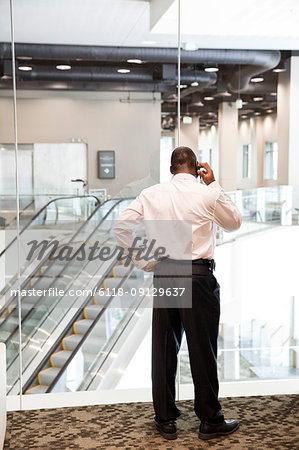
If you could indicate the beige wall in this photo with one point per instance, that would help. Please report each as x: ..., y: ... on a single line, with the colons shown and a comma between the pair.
x: 105, y: 123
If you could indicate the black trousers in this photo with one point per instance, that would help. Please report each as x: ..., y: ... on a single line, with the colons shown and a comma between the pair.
x: 200, y: 323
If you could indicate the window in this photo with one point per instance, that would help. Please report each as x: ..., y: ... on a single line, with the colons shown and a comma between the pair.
x: 271, y: 161
x: 210, y: 156
x: 247, y: 161
x: 167, y: 144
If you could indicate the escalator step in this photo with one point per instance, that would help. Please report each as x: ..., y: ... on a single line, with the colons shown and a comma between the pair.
x: 46, y: 376
x: 91, y: 312
x: 58, y: 359
x: 111, y: 283
x: 4, y: 335
x: 71, y: 342
x: 82, y: 326
x: 38, y: 389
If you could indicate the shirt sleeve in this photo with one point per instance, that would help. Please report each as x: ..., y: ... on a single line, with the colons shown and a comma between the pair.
x: 226, y: 214
x: 125, y: 227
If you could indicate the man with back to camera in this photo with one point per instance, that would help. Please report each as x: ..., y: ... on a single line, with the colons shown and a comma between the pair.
x: 183, y: 198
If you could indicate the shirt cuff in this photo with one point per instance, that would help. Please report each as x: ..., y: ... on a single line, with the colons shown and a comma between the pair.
x: 215, y: 186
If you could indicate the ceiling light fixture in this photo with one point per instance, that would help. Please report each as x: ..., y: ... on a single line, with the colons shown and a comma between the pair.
x: 258, y: 99
x: 148, y: 42
x: 225, y: 94
x: 257, y: 79
x: 182, y: 86
x: 208, y: 98
x: 25, y: 68
x: 244, y: 116
x: 63, y: 67
x: 211, y: 69
x: 195, y: 83
x: 273, y: 93
x: 269, y: 111
x: 123, y: 70
x: 282, y: 67
x: 134, y: 61
x: 257, y: 113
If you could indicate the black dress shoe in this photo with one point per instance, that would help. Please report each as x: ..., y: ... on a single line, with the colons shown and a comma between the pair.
x: 167, y: 429
x: 213, y: 430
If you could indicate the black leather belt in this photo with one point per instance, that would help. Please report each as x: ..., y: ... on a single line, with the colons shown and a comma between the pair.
x: 210, y: 263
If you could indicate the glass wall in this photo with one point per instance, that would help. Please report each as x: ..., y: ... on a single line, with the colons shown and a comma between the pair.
x: 100, y: 107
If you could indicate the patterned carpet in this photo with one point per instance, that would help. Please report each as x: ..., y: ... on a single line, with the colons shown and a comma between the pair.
x: 265, y: 423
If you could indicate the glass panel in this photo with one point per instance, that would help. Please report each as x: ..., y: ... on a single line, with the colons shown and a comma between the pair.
x: 8, y: 203
x: 64, y: 276
x: 83, y: 90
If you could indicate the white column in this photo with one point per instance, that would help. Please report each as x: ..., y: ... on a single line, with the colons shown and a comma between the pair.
x: 288, y: 129
x: 228, y: 145
x: 190, y: 134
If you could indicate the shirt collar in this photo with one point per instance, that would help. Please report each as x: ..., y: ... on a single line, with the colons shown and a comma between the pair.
x: 184, y: 176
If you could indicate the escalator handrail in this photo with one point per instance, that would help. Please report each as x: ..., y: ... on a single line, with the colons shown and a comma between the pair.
x: 57, y: 343
x: 5, y: 289
x: 30, y: 311
x: 42, y: 209
x: 21, y: 212
x: 89, y: 331
x: 128, y: 317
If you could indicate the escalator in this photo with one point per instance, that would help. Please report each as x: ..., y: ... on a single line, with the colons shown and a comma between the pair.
x: 89, y: 334
x: 42, y: 314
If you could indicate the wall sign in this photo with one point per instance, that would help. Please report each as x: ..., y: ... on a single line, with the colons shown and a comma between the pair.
x: 106, y: 164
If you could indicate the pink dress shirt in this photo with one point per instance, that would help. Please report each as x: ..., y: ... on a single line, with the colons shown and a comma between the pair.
x: 184, y: 199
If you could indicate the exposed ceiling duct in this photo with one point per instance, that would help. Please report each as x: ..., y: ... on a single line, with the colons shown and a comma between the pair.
x: 252, y: 62
x: 94, y: 74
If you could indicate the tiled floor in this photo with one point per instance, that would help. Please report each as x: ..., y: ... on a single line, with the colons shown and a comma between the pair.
x: 270, y: 422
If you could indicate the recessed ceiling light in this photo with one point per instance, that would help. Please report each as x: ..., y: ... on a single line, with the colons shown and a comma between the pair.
x: 123, y: 70
x: 211, y: 69
x: 243, y: 116
x: 225, y: 94
x: 282, y: 67
x: 257, y: 113
x: 63, y: 67
x: 208, y: 98
x: 148, y: 42
x: 273, y: 93
x: 269, y: 111
x: 195, y: 83
x: 258, y: 99
x: 6, y: 77
x: 182, y: 86
x: 278, y: 70
x: 25, y: 68
x: 134, y: 61
x: 25, y: 58
x: 257, y: 79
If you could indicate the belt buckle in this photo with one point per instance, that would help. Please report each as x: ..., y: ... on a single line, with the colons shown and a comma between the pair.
x: 212, y: 264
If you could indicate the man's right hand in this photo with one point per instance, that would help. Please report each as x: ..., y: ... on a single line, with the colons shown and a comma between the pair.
x: 207, y: 175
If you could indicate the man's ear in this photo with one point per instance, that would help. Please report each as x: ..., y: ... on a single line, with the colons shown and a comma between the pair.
x: 171, y: 170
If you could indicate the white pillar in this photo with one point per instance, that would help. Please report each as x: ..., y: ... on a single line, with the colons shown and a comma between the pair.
x: 228, y: 145
x: 288, y: 129
x: 190, y: 134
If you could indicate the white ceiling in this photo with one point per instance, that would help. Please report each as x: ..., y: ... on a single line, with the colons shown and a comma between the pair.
x: 85, y: 22
x: 206, y: 23
x: 268, y: 24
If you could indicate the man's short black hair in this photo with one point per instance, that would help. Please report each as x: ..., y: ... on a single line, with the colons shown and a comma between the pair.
x: 182, y: 157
